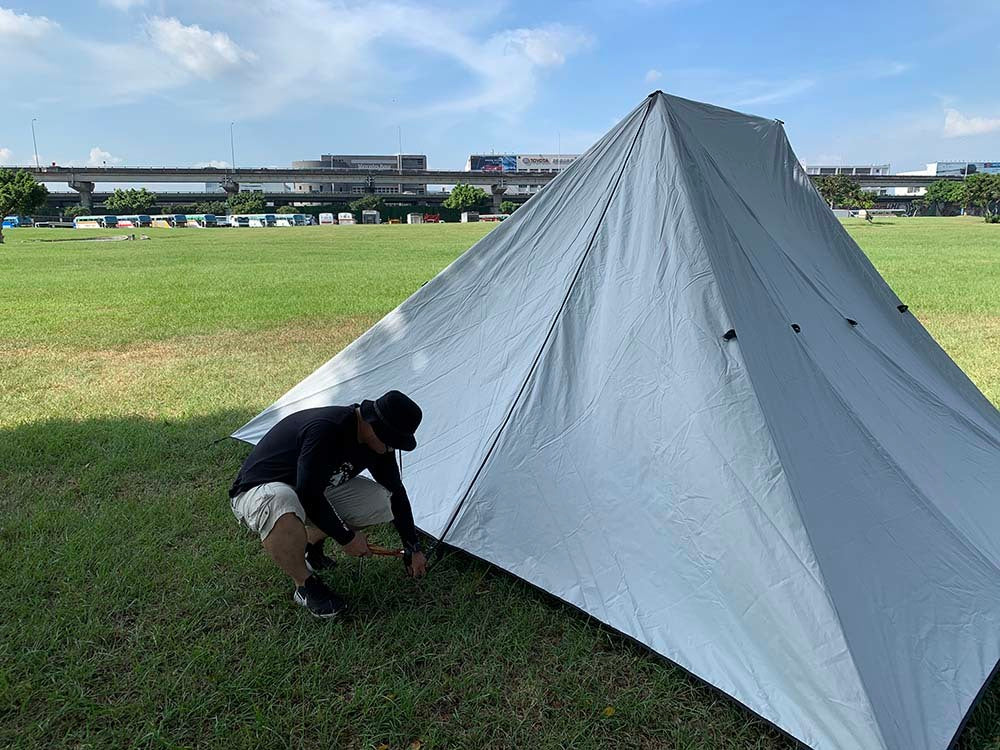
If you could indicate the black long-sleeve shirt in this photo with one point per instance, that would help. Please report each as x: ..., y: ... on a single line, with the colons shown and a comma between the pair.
x: 318, y: 448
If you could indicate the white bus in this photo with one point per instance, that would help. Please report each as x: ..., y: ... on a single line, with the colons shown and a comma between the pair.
x: 95, y: 222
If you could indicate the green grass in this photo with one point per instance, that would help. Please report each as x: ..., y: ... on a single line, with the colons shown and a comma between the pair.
x: 136, y: 613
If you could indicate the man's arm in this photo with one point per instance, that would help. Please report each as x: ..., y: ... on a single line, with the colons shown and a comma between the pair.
x: 386, y: 472
x: 317, y: 455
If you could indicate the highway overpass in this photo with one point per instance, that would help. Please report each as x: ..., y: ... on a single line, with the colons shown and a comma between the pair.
x: 84, y: 179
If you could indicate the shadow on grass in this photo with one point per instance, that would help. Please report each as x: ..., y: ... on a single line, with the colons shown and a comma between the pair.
x: 137, y: 613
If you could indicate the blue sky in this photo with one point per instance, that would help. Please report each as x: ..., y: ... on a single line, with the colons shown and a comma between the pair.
x: 158, y: 81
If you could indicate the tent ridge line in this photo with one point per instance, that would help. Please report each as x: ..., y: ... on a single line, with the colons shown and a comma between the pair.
x: 674, y: 126
x: 555, y: 320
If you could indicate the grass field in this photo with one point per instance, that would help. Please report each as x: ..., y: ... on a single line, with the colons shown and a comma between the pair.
x: 135, y: 613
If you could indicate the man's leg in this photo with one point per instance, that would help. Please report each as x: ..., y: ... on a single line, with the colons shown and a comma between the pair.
x: 361, y: 502
x: 284, y: 540
x: 286, y: 544
x: 314, y: 535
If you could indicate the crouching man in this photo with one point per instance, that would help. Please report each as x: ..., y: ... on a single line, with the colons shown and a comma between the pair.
x: 300, y: 484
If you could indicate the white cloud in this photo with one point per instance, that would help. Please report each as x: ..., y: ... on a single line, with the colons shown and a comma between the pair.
x: 6, y: 156
x: 204, y: 53
x: 957, y: 125
x: 216, y: 163
x: 893, y: 69
x: 774, y: 92
x: 97, y: 157
x: 123, y: 5
x: 348, y: 52
x: 653, y: 75
x: 543, y: 47
x: 22, y: 25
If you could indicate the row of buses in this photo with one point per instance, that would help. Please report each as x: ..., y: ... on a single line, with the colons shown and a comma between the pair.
x: 191, y: 220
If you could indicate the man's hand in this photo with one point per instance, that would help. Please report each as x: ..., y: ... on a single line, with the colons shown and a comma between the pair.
x: 358, y: 546
x: 418, y: 565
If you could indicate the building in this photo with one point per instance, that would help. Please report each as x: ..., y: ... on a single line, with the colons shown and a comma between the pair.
x: 362, y: 163
x: 851, y: 170
x: 948, y: 169
x: 520, y: 167
x: 848, y: 169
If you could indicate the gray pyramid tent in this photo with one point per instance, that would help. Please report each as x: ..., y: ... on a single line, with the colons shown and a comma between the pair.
x: 673, y: 392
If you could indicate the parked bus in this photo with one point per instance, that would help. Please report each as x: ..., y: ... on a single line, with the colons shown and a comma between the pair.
x: 9, y: 222
x: 202, y: 220
x: 95, y: 222
x: 167, y: 221
x: 135, y: 220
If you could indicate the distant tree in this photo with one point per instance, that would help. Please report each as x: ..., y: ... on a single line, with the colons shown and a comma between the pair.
x: 983, y: 192
x: 841, y: 190
x: 464, y: 197
x: 945, y: 197
x: 835, y: 189
x: 131, y: 201
x: 916, y: 206
x: 209, y: 207
x: 73, y: 211
x: 246, y: 202
x: 508, y: 207
x: 863, y: 198
x: 287, y: 210
x: 369, y: 202
x: 19, y: 194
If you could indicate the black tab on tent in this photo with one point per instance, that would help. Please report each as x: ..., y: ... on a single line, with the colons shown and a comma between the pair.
x: 852, y: 321
x: 795, y: 327
x: 730, y: 334
x: 902, y: 308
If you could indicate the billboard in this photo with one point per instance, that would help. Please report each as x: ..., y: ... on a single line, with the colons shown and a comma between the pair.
x: 963, y: 168
x: 493, y: 163
x: 526, y: 162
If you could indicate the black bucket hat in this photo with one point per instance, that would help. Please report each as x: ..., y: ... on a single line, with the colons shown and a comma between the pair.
x: 394, y: 417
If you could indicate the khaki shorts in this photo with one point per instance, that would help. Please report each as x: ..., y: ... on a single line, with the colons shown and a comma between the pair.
x: 359, y: 501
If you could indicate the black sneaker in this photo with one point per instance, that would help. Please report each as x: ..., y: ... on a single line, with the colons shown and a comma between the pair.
x: 318, y: 599
x: 316, y: 559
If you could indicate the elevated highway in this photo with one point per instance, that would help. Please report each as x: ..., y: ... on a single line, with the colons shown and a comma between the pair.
x: 84, y: 179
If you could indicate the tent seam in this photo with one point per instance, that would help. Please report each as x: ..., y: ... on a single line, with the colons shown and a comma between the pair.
x: 555, y: 320
x: 674, y: 126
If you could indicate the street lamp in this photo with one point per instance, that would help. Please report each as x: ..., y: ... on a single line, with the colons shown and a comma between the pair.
x: 232, y: 145
x: 34, y: 143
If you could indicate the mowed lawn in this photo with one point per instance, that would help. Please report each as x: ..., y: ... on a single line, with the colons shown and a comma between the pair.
x: 135, y: 613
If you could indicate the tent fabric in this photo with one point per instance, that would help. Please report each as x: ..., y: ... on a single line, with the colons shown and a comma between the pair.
x: 806, y: 519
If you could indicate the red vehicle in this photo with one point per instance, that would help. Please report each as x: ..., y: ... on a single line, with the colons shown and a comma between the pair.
x: 432, y: 218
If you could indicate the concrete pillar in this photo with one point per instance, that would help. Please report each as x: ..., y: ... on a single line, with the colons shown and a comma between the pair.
x: 497, y: 191
x: 86, y: 191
